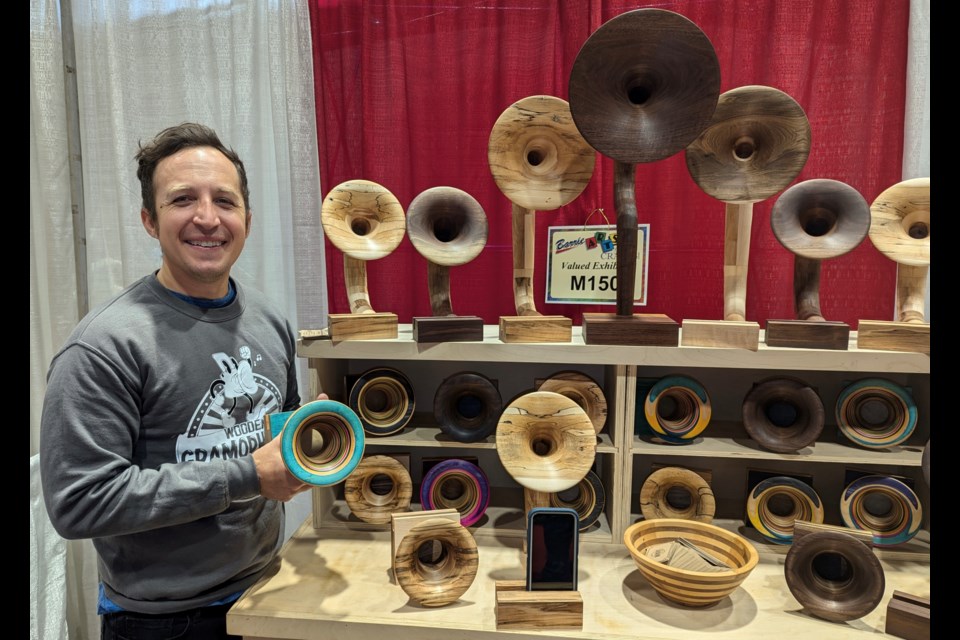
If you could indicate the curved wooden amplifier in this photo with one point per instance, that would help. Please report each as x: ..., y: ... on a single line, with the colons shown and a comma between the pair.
x: 583, y: 390
x: 656, y: 495
x: 546, y: 441
x: 383, y: 399
x: 588, y: 498
x: 834, y: 576
x: 467, y: 406
x: 883, y: 505
x: 783, y: 414
x: 456, y: 484
x: 378, y: 487
x: 876, y: 413
x: 440, y: 577
x: 677, y: 408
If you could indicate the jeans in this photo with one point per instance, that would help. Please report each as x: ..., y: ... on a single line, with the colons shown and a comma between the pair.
x: 203, y: 623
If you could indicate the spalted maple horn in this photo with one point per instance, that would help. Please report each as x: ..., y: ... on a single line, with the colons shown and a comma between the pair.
x: 540, y: 162
x: 642, y: 88
x: 366, y: 222
x: 448, y: 227
x: 815, y: 220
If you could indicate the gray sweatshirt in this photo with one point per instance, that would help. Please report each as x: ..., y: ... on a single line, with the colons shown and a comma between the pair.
x: 152, y: 410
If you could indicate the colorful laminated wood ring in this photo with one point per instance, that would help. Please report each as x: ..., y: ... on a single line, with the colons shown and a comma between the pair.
x: 783, y: 414
x: 583, y: 390
x: 384, y: 400
x: 876, y: 413
x: 659, y: 496
x: 379, y: 486
x: 677, y: 408
x: 883, y: 505
x: 467, y: 406
x: 834, y: 575
x: 587, y: 498
x: 456, y: 484
x: 776, y: 503
x: 440, y: 577
x: 322, y: 442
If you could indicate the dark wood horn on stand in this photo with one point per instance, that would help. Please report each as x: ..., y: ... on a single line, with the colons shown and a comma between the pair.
x: 366, y: 222
x: 757, y: 143
x: 900, y: 229
x: 539, y: 161
x: 448, y: 227
x: 643, y: 87
x: 815, y: 220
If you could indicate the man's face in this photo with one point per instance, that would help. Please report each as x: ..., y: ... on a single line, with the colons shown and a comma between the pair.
x: 201, y: 221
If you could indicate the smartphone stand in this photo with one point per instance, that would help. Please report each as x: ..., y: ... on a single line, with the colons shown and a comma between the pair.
x: 518, y: 608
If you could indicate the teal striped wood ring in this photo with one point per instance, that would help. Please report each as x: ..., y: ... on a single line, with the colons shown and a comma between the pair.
x: 883, y: 505
x: 677, y: 408
x: 776, y: 503
x: 876, y: 413
x: 322, y: 442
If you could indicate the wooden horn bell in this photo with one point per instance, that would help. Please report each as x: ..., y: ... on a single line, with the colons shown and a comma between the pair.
x: 900, y: 229
x: 757, y: 142
x: 448, y: 227
x: 539, y: 161
x: 643, y: 86
x: 366, y: 222
x: 816, y: 220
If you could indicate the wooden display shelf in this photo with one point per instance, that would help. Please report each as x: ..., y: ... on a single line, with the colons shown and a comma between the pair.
x: 576, y: 352
x: 330, y: 583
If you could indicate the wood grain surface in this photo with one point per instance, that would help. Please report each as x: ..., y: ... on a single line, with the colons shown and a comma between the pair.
x: 379, y: 486
x: 363, y: 219
x: 583, y: 390
x: 440, y: 580
x: 900, y: 222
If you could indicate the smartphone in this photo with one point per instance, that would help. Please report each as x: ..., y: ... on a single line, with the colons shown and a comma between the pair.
x: 553, y: 543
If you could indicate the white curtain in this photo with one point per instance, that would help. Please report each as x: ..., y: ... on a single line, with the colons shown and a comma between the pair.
x: 244, y: 68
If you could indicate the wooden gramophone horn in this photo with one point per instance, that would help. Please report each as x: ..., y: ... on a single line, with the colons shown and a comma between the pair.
x: 757, y: 143
x: 643, y: 87
x: 815, y: 220
x: 448, y: 227
x: 540, y: 162
x: 366, y: 222
x: 900, y: 229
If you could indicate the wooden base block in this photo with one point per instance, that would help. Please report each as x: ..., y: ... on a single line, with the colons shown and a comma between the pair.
x: 720, y: 333
x: 640, y: 329
x: 807, y: 334
x: 518, y: 608
x: 448, y: 329
x: 908, y: 616
x: 535, y: 329
x: 401, y: 523
x: 894, y: 336
x: 362, y: 326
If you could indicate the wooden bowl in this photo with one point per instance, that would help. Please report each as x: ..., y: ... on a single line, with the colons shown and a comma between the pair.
x: 682, y: 586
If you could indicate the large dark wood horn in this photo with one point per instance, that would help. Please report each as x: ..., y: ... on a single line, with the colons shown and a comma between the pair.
x: 643, y: 87
x: 757, y: 143
x: 900, y: 229
x: 366, y: 222
x: 816, y: 220
x: 448, y: 227
x: 539, y: 161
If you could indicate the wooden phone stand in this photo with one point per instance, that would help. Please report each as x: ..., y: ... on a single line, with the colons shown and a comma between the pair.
x: 362, y: 326
x: 518, y: 608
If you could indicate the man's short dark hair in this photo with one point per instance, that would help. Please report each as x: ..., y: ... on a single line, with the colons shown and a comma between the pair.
x: 170, y: 141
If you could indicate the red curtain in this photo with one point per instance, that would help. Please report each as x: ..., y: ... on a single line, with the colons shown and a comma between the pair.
x: 407, y: 94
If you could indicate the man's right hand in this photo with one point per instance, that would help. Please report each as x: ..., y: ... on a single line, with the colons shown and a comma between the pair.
x: 276, y: 481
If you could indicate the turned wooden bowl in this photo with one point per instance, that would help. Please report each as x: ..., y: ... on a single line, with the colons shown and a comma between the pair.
x: 682, y: 586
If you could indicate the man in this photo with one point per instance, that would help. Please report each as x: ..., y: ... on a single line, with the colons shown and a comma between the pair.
x: 152, y: 440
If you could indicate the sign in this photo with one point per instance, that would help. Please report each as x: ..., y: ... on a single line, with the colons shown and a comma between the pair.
x: 582, y: 264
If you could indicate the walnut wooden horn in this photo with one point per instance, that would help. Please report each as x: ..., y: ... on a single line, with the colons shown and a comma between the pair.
x: 756, y: 144
x: 366, y: 222
x: 539, y: 161
x: 643, y: 86
x: 900, y: 229
x: 815, y: 220
x: 448, y: 227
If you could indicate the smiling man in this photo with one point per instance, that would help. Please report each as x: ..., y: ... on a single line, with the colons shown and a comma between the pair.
x: 152, y: 439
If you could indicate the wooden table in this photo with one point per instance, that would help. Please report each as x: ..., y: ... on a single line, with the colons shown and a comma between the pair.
x: 338, y: 584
